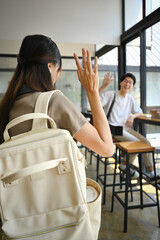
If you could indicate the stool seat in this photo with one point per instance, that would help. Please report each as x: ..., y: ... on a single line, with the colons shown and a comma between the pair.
x: 135, y: 146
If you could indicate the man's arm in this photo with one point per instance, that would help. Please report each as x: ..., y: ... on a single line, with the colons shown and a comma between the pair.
x: 108, y: 78
x: 131, y: 118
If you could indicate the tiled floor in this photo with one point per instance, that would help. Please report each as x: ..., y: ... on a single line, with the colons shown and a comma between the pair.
x: 142, y: 224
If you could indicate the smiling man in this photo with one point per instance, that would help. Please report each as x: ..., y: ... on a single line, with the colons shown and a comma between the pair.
x: 124, y: 110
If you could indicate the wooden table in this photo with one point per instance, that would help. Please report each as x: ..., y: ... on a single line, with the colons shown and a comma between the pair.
x: 147, y: 119
x: 139, y: 121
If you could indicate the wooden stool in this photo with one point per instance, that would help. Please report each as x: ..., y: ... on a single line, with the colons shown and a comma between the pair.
x: 92, y: 154
x: 102, y: 177
x: 134, y: 147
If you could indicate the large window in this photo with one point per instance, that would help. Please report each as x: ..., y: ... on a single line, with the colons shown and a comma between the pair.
x: 68, y: 82
x: 133, y: 65
x: 153, y: 66
x: 151, y: 6
x: 7, y: 66
x: 133, y: 13
x: 141, y: 18
x: 5, y: 77
x: 109, y: 63
x: 153, y: 72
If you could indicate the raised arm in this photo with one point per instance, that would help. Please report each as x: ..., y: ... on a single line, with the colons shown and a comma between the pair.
x: 108, y: 78
x: 98, y: 137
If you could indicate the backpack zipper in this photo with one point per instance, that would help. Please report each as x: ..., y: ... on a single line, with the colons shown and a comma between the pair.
x: 44, y: 232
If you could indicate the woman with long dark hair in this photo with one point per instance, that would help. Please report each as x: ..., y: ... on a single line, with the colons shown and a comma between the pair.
x: 39, y: 66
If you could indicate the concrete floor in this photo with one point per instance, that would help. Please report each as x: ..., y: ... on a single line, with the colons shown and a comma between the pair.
x: 142, y: 224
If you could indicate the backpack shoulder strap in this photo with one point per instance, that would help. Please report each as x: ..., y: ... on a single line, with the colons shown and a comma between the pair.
x: 43, y: 101
x: 41, y: 106
x: 111, y: 106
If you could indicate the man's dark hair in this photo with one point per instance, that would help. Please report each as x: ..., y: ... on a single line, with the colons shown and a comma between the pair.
x: 128, y: 75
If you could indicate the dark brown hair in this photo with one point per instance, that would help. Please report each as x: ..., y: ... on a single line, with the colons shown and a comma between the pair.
x: 128, y: 75
x: 34, y: 55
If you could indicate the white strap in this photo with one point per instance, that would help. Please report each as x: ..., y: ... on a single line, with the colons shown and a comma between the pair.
x: 23, y: 118
x: 24, y: 172
x: 43, y: 101
x: 42, y: 107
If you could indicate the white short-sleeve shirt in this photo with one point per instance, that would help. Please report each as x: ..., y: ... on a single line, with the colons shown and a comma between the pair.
x: 122, y: 107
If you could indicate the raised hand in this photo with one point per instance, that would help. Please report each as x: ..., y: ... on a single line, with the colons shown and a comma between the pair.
x: 97, y: 136
x: 87, y: 75
x: 108, y: 78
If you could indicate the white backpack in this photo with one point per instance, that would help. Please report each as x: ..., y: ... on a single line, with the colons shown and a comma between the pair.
x: 43, y: 183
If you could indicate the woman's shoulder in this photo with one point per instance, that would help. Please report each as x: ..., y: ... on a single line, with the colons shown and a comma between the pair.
x: 65, y: 113
x: 29, y: 99
x: 23, y: 104
x: 61, y: 104
x: 58, y: 98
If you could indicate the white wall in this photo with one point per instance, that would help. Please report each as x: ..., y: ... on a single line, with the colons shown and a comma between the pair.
x: 66, y: 49
x: 65, y: 21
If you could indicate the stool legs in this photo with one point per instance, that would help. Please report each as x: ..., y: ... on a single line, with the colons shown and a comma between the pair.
x: 105, y: 179
x: 157, y: 197
x: 86, y: 149
x: 141, y: 191
x: 126, y: 193
x: 114, y: 182
x: 102, y: 177
x: 97, y: 167
x: 140, y: 179
x: 91, y: 156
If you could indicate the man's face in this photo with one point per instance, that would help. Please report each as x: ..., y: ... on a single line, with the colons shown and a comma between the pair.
x: 127, y: 84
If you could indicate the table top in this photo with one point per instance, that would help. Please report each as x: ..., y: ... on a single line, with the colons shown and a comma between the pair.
x: 147, y: 118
